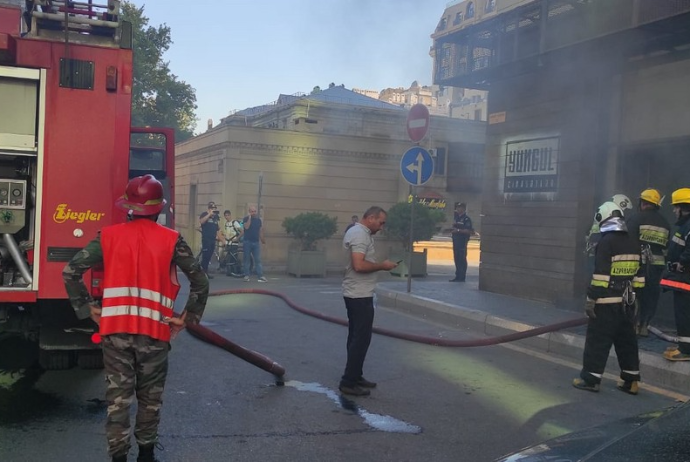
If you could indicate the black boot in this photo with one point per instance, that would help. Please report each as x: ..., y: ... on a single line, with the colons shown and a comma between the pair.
x: 122, y: 458
x: 146, y: 453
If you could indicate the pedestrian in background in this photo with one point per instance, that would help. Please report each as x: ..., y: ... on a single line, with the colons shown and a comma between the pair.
x: 651, y: 231
x: 677, y: 275
x: 610, y: 304
x: 253, y: 238
x: 355, y: 220
x: 461, y: 233
x: 209, y: 221
x: 136, y: 319
x: 358, y: 291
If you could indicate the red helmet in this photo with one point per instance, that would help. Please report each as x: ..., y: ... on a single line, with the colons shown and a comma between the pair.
x: 143, y: 196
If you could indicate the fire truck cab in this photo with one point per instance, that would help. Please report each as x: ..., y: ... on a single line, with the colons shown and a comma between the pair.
x: 66, y: 153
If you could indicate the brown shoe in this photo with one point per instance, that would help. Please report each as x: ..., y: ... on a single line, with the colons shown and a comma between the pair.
x: 364, y: 383
x: 354, y: 390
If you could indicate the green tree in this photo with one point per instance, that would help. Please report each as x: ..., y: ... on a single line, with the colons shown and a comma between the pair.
x: 159, y: 98
x: 425, y: 222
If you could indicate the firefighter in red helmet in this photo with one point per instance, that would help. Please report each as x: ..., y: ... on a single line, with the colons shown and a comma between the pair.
x: 136, y: 318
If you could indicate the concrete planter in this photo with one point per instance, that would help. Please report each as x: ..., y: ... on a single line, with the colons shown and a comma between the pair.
x: 418, y: 266
x: 306, y: 263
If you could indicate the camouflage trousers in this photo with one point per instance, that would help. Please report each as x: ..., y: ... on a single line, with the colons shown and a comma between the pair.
x: 135, y: 365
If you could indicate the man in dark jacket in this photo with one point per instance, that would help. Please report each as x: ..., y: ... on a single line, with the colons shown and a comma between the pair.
x: 677, y: 275
x: 461, y: 233
x: 610, y: 297
x: 651, y: 230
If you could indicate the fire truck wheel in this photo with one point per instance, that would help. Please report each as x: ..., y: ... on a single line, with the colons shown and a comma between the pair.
x: 90, y: 359
x: 55, y: 360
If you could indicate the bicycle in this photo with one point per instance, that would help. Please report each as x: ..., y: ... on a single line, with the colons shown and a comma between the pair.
x: 232, y: 260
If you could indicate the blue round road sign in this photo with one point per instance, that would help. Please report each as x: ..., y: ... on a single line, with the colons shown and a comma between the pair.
x: 417, y: 166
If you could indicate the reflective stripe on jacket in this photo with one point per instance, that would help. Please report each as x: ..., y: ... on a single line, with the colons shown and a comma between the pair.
x: 677, y: 253
x: 616, y: 266
x: 623, y: 267
x: 140, y: 280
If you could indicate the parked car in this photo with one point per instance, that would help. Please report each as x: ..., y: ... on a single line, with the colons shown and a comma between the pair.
x: 655, y: 436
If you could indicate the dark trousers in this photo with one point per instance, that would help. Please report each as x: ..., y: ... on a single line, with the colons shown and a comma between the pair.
x: 360, y: 317
x: 612, y: 326
x: 648, y: 296
x: 460, y: 257
x: 207, y: 249
x: 135, y: 365
x: 681, y: 310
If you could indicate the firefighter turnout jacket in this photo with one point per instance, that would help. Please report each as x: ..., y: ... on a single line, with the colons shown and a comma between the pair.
x: 652, y: 231
x: 616, y: 266
x: 679, y: 252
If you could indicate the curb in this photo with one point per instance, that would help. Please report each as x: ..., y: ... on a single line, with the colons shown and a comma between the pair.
x: 665, y: 374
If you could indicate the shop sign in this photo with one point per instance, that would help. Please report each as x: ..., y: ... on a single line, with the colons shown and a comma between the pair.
x: 432, y: 203
x: 531, y: 166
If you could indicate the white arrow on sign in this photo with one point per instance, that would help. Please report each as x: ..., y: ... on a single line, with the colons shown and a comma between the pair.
x: 417, y: 167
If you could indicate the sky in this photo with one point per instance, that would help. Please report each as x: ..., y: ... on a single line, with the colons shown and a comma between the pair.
x: 243, y: 53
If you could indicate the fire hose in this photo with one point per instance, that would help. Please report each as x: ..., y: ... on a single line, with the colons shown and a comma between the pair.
x: 413, y: 337
x: 267, y: 364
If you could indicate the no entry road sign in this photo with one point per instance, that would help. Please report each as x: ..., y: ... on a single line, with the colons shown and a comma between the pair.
x: 418, y: 122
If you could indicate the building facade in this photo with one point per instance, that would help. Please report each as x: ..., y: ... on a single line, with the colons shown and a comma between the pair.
x: 330, y: 152
x: 587, y: 99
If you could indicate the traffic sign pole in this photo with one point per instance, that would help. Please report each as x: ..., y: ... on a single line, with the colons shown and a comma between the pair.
x: 416, y: 167
x: 411, y: 243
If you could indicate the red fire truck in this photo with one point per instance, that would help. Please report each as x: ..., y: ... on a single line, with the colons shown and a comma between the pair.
x: 66, y: 153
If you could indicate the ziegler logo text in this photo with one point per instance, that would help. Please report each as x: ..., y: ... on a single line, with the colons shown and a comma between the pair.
x: 63, y: 213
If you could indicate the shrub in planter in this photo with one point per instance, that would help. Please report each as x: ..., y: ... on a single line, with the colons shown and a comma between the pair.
x: 310, y: 227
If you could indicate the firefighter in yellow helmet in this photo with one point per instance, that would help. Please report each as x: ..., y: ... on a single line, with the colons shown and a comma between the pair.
x: 676, y: 277
x: 609, y: 305
x: 651, y: 230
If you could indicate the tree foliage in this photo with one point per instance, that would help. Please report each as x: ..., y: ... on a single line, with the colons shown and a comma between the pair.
x: 310, y: 227
x: 159, y: 98
x: 425, y: 222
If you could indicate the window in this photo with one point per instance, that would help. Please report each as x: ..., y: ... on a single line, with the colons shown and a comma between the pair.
x: 440, y: 162
x: 490, y: 5
x: 442, y: 25
x: 477, y: 114
x: 470, y: 10
x: 458, y: 18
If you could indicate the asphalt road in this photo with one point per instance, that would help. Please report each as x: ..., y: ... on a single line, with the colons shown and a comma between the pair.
x: 432, y: 404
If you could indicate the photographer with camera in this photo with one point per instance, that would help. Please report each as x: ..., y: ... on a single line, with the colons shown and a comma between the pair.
x: 209, y: 230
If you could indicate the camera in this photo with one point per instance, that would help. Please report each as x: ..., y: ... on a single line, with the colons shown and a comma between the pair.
x: 216, y: 212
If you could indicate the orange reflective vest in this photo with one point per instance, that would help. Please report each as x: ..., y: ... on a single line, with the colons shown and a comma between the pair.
x: 140, y: 280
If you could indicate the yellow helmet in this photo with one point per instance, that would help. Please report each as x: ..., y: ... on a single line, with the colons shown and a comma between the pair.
x: 680, y: 196
x: 651, y: 195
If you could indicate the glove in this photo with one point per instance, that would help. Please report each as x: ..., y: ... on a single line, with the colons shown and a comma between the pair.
x: 589, y: 308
